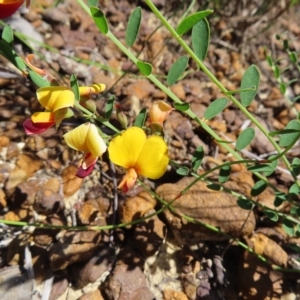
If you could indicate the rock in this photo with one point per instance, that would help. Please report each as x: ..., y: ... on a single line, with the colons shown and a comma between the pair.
x: 71, y: 182
x: 174, y: 295
x: 58, y: 288
x: 29, y: 164
x: 93, y: 295
x: 48, y: 202
x: 127, y: 282
x: 149, y: 235
x: 135, y: 207
x: 14, y: 284
x: 163, y: 268
x: 257, y: 281
x: 268, y: 248
x: 98, y: 266
x: 16, y: 177
x: 74, y: 246
x: 214, y: 208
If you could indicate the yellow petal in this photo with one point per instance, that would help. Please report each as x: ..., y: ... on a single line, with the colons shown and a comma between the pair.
x: 55, y: 97
x: 125, y: 149
x: 93, y: 89
x: 76, y: 138
x: 94, y: 141
x: 153, y: 160
x: 42, y: 117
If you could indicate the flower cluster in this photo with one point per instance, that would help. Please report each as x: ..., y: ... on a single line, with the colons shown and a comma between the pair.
x: 132, y: 149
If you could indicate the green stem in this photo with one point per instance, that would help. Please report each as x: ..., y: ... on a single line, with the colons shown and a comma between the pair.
x: 92, y: 115
x: 218, y: 83
x: 169, y: 93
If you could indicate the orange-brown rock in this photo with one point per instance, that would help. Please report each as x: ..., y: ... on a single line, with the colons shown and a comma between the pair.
x: 214, y: 208
x: 135, y: 207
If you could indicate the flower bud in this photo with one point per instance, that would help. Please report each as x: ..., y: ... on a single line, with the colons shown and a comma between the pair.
x: 159, y: 112
x: 121, y: 117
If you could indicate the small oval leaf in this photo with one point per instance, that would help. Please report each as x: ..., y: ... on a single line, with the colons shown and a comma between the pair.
x: 291, y: 134
x: 197, y: 158
x: 182, y: 106
x: 109, y: 107
x: 258, y: 188
x: 215, y: 108
x: 140, y: 118
x: 244, y: 203
x: 250, y: 80
x: 183, y: 171
x: 288, y: 226
x: 224, y: 173
x: 187, y: 23
x: 133, y: 26
x: 144, y: 67
x: 99, y: 19
x: 200, y: 38
x: 244, y: 138
x: 272, y: 215
x: 177, y: 69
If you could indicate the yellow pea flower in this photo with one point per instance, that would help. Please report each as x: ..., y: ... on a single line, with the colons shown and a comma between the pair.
x: 57, y: 101
x: 86, y: 138
x: 139, y: 154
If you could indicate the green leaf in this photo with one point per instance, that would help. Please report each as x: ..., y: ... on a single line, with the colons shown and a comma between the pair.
x: 273, y: 165
x: 282, y: 88
x: 269, y: 60
x: 293, y: 57
x: 75, y: 86
x: 245, y: 203
x: 10, y: 54
x: 8, y: 36
x: 99, y: 19
x: 183, y: 171
x: 214, y: 186
x: 197, y: 158
x: 280, y: 197
x: 200, y: 38
x: 295, y: 210
x: 38, y: 80
x: 215, y: 108
x: 296, y: 166
x: 250, y: 80
x: 187, y: 23
x: 177, y: 69
x: 244, y: 139
x: 294, y: 189
x: 258, y: 188
x: 276, y: 71
x: 140, y: 118
x: 291, y: 134
x: 224, y: 173
x: 182, y: 106
x: 272, y: 215
x: 144, y: 67
x: 260, y: 168
x: 288, y: 227
x: 109, y: 107
x: 133, y: 26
